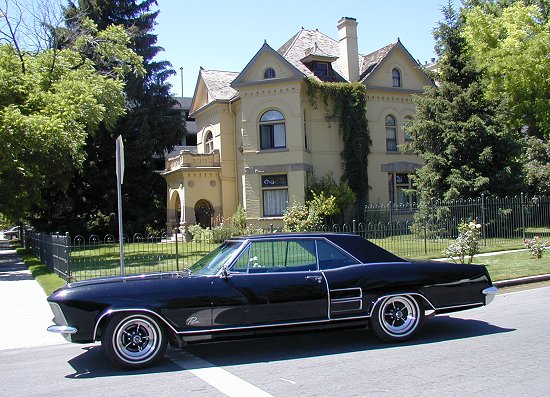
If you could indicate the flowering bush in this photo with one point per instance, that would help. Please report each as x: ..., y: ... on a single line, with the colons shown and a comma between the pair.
x: 300, y: 218
x: 467, y: 243
x: 536, y: 246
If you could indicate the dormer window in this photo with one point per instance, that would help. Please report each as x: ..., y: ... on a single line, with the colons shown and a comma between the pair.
x: 269, y: 73
x: 321, y: 69
x: 396, y: 77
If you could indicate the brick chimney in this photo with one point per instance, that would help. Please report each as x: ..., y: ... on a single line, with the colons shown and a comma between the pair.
x: 349, y: 52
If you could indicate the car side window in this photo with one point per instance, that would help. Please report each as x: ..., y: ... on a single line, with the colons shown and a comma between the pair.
x: 241, y: 264
x: 282, y: 256
x: 331, y: 257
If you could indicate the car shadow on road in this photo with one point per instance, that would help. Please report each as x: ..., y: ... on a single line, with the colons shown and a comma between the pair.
x: 92, y: 363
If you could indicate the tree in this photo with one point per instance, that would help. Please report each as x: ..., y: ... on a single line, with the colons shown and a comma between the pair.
x: 326, y: 187
x: 150, y: 127
x: 511, y: 46
x: 49, y: 102
x: 461, y: 135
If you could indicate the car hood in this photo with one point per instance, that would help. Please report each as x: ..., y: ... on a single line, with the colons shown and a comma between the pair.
x: 122, y: 279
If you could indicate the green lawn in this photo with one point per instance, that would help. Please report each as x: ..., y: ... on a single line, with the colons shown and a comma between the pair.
x: 514, y: 265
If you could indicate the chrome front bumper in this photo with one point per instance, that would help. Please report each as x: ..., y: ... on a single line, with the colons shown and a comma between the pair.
x: 62, y: 329
x: 490, y: 294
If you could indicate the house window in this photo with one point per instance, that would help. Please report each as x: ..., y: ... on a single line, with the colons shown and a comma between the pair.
x: 397, y: 186
x: 321, y: 69
x: 274, y: 194
x: 391, y: 134
x: 209, y: 143
x: 269, y: 73
x: 396, y: 77
x: 272, y: 130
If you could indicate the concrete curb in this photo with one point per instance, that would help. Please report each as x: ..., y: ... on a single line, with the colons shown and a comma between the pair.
x: 522, y: 280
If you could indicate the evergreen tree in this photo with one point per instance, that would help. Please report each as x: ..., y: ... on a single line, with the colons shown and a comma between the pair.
x: 460, y: 135
x: 150, y: 127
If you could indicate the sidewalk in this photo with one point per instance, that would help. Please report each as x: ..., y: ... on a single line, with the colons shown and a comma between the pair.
x: 23, y: 307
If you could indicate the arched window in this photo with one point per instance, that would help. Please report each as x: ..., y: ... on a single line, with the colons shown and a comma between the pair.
x: 272, y: 130
x: 209, y: 143
x: 269, y: 73
x: 396, y: 77
x: 391, y: 134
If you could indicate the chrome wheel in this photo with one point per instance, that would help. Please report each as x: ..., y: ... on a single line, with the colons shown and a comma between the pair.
x: 134, y: 341
x: 397, y: 318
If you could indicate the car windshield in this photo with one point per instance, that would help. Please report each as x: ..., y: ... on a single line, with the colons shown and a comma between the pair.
x: 215, y: 260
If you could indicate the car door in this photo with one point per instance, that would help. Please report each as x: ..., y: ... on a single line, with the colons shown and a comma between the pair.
x: 346, y: 277
x: 273, y: 282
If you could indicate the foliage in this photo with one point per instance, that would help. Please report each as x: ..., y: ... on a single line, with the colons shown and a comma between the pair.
x: 537, y: 166
x: 238, y: 219
x: 300, y: 218
x: 150, y: 127
x: 511, y: 46
x: 200, y: 234
x: 461, y: 135
x: 349, y: 103
x: 235, y: 226
x: 49, y: 104
x: 467, y: 243
x: 344, y: 197
x: 536, y: 246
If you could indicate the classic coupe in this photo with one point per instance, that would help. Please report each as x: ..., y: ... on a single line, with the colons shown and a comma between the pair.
x: 259, y: 284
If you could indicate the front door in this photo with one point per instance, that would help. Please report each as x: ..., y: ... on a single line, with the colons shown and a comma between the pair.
x: 273, y: 282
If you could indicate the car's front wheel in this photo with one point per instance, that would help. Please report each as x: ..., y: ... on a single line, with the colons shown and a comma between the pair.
x: 134, y: 340
x: 397, y: 318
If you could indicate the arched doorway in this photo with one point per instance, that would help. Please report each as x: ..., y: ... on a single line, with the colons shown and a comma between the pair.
x: 203, y: 213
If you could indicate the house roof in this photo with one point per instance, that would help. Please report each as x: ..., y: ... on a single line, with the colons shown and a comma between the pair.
x: 306, y: 45
x: 219, y: 84
x: 369, y: 62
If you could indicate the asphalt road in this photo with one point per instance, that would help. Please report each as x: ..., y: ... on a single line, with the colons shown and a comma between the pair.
x: 501, y: 349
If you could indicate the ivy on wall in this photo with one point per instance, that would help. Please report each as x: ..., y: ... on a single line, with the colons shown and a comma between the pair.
x: 349, y: 104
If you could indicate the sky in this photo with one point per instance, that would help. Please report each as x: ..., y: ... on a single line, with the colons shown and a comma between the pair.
x: 225, y: 35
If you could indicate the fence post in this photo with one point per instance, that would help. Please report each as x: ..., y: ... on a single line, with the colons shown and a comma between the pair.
x: 354, y: 226
x: 522, y: 204
x: 68, y: 255
x: 483, y: 231
x: 177, y: 256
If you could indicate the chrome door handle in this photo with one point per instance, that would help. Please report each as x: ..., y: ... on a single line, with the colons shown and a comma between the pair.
x: 319, y: 279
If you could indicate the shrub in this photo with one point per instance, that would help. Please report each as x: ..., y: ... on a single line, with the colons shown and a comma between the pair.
x: 200, y: 235
x: 300, y: 218
x: 536, y: 246
x: 467, y: 243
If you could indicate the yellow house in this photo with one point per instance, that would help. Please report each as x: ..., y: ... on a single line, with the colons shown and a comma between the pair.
x: 259, y: 138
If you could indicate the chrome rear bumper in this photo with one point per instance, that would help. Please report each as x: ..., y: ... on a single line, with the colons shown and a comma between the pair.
x: 490, y: 294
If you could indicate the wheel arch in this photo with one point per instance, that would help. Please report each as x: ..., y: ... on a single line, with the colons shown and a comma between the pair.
x: 105, y: 316
x: 425, y: 302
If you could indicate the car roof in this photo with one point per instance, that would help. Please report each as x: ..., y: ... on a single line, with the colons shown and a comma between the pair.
x: 359, y: 247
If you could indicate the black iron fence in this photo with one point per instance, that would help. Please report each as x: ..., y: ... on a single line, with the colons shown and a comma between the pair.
x: 409, y: 231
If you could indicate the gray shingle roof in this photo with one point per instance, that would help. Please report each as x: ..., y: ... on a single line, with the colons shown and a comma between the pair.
x: 219, y: 84
x: 370, y: 61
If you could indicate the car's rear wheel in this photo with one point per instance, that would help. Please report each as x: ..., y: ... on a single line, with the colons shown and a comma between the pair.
x: 397, y: 318
x: 134, y: 340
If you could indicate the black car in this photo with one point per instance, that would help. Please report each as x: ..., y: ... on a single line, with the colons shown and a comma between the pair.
x: 270, y: 283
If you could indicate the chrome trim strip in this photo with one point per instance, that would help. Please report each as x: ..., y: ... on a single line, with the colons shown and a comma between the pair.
x: 62, y: 329
x: 472, y: 305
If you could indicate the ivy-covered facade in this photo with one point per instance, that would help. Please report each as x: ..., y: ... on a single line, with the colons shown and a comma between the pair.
x: 314, y: 106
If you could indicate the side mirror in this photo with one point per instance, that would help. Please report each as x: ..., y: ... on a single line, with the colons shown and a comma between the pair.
x: 225, y: 272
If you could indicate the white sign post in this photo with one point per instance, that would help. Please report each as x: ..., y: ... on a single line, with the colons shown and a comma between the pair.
x: 119, y: 180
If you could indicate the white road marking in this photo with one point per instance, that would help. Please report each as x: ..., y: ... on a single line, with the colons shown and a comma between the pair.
x: 288, y: 380
x: 227, y: 383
